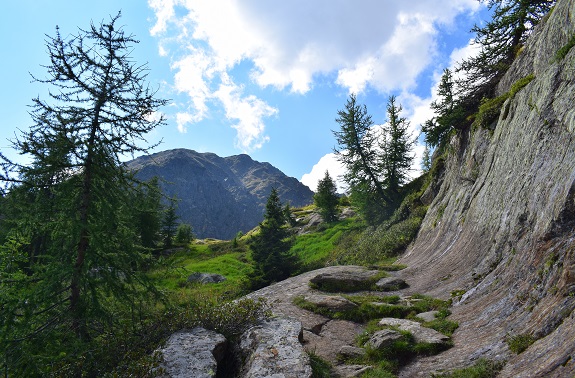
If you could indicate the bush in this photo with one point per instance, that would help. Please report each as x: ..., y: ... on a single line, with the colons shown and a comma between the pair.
x: 184, y: 234
x: 518, y: 343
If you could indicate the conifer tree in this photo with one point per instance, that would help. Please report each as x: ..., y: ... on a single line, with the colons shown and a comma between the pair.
x: 500, y: 40
x: 397, y: 145
x: 271, y: 246
x: 169, y: 225
x: 326, y: 198
x: 73, y: 234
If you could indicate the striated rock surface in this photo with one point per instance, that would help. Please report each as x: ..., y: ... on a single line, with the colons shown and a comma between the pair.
x: 273, y: 349
x: 330, y: 302
x: 193, y: 353
x: 501, y: 223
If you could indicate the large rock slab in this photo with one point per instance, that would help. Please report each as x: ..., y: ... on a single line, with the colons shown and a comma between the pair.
x: 274, y: 349
x: 420, y: 334
x: 192, y: 353
x: 330, y: 302
x: 344, y: 281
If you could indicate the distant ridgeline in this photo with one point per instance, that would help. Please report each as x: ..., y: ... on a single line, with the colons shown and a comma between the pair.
x: 219, y: 196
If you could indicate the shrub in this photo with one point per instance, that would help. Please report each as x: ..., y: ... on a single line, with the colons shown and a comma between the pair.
x: 518, y: 343
x: 563, y: 51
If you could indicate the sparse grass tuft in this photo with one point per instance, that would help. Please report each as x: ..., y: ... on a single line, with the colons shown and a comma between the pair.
x: 482, y: 369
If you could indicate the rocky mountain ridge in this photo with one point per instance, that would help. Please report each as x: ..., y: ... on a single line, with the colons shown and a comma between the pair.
x: 219, y: 196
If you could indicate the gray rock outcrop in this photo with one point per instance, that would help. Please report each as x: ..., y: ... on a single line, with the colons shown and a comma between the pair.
x: 344, y: 281
x: 500, y: 227
x: 330, y: 302
x: 420, y: 334
x: 274, y: 349
x: 390, y: 284
x: 192, y: 353
x: 383, y: 338
x: 206, y: 278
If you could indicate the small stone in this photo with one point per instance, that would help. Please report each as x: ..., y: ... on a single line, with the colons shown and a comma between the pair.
x: 383, y: 338
x: 390, y: 284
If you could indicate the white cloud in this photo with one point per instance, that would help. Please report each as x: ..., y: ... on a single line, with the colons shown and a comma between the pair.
x: 366, y: 44
x: 247, y: 111
x: 328, y: 163
x: 182, y: 120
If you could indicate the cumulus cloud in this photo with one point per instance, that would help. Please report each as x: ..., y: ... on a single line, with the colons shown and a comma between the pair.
x: 328, y: 163
x: 366, y: 44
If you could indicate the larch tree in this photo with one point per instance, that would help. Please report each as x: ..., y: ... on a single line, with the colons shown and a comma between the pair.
x: 499, y: 40
x: 73, y: 236
x: 357, y: 150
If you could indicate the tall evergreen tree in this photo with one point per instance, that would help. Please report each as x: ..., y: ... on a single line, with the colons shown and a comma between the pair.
x: 326, y: 198
x: 271, y: 246
x: 396, y: 145
x: 499, y: 40
x: 358, y: 151
x: 73, y: 237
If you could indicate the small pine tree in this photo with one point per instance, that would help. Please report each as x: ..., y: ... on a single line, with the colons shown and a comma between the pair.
x: 326, y: 198
x: 271, y: 247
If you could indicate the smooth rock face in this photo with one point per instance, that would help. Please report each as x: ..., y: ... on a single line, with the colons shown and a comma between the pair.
x: 273, y: 349
x: 390, y: 284
x: 420, y: 334
x: 193, y: 353
x: 331, y: 302
x: 383, y: 338
x: 501, y: 227
x: 205, y: 278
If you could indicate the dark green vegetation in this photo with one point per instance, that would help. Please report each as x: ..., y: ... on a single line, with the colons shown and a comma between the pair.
x: 326, y: 198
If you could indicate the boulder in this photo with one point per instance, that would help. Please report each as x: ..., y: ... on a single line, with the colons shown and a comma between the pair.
x: 383, y: 338
x: 428, y: 316
x: 206, y: 278
x: 330, y: 302
x: 347, y: 352
x: 420, y: 334
x: 274, y: 349
x: 192, y: 353
x: 390, y: 284
x: 345, y: 281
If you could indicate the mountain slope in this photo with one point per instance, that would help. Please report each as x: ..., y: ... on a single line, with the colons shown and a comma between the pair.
x: 500, y: 228
x: 219, y: 196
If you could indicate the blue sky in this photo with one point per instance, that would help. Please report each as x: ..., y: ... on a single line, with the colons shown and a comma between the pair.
x: 260, y: 77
